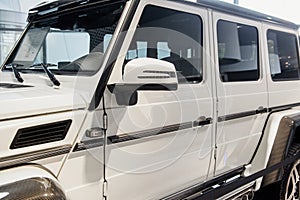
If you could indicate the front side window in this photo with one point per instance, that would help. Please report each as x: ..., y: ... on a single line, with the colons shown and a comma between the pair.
x: 73, y: 43
x: 283, y: 56
x: 172, y: 36
x: 237, y: 51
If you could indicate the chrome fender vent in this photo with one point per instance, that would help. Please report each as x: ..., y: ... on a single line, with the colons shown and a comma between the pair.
x: 41, y: 134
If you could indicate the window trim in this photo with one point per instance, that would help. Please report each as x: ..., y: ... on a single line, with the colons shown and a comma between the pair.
x: 297, y: 53
x: 259, y: 58
x: 202, y: 39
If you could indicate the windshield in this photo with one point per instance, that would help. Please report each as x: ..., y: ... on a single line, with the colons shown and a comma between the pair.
x: 72, y: 43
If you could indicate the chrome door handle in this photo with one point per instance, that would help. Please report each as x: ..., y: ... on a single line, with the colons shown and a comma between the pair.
x: 202, y: 121
x: 261, y: 110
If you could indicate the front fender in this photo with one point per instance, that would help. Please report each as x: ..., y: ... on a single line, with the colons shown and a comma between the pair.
x: 29, y: 183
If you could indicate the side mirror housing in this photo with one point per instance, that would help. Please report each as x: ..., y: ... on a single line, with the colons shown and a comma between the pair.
x: 144, y: 74
x: 150, y: 74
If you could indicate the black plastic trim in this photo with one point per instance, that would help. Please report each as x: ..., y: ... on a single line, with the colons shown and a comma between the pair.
x: 35, y: 155
x: 205, y: 191
x: 271, y: 111
x: 284, y: 107
x: 63, y: 8
x: 89, y: 144
x: 202, y: 186
x: 148, y: 133
x: 113, y: 57
x: 264, y: 128
x: 12, y: 85
x: 204, y: 122
x: 41, y: 134
x: 218, y: 192
x: 236, y: 116
x: 114, y: 139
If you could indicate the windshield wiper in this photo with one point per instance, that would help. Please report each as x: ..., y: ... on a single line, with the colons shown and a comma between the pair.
x: 48, y: 72
x: 16, y: 72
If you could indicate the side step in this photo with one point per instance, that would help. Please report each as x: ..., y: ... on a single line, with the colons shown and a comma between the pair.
x: 203, y: 190
x: 245, y: 192
x: 241, y: 193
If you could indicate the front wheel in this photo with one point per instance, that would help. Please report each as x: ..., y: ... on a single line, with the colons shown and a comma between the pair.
x: 290, y: 185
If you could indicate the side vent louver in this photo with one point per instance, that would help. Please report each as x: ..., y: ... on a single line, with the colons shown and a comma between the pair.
x: 41, y: 134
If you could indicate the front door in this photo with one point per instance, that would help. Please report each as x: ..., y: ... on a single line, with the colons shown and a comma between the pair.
x: 161, y: 142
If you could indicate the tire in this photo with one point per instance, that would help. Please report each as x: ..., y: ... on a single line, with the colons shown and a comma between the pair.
x: 290, y: 184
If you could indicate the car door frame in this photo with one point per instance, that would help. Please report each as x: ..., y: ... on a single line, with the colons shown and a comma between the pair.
x: 231, y: 113
x: 116, y: 76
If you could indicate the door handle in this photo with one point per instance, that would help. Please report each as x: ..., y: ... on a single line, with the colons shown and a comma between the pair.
x: 261, y: 110
x: 202, y: 121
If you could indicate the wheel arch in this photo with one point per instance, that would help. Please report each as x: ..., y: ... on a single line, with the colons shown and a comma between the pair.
x: 30, y: 182
x: 288, y: 132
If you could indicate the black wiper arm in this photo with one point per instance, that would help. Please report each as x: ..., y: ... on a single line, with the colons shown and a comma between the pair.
x: 48, y: 72
x: 16, y: 72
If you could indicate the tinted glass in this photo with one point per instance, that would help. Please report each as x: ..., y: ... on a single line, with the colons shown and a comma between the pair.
x: 283, y: 56
x: 238, y: 52
x: 172, y: 36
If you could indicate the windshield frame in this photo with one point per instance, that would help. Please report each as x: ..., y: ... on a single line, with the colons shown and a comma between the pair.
x: 61, y: 14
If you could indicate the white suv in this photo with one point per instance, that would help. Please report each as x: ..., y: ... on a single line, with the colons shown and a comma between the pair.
x: 150, y: 99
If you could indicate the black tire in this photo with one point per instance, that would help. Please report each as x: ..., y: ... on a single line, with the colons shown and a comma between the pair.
x: 290, y: 184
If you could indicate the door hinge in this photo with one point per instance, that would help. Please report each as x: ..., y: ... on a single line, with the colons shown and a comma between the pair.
x: 105, y: 189
x: 105, y: 121
x: 215, y: 153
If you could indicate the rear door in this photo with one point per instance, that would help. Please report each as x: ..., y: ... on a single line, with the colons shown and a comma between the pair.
x: 241, y: 89
x: 163, y: 142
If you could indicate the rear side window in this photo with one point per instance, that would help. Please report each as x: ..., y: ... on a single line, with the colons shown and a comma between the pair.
x: 283, y: 56
x: 237, y: 51
x: 172, y: 36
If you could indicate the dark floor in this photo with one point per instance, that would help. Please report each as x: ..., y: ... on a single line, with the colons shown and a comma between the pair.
x: 267, y: 193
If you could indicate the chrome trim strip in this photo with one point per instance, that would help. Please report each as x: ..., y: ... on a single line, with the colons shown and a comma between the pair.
x: 148, y: 133
x: 254, y: 112
x: 114, y: 139
x: 35, y: 155
x: 236, y: 116
x: 89, y: 144
x: 287, y: 106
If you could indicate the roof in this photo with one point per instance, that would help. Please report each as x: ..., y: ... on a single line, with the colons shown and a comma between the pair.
x: 244, y: 12
x: 64, y: 5
x: 58, y: 6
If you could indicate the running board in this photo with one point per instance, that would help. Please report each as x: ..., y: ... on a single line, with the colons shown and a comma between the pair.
x: 243, y: 192
x: 202, y: 189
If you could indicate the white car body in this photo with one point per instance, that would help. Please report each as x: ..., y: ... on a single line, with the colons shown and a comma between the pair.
x: 140, y: 132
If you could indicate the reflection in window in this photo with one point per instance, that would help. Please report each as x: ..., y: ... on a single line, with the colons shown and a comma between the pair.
x: 171, y: 36
x: 238, y: 52
x: 7, y: 41
x: 283, y: 56
x: 68, y: 43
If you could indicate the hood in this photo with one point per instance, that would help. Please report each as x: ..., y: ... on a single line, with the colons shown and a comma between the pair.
x: 18, y: 100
